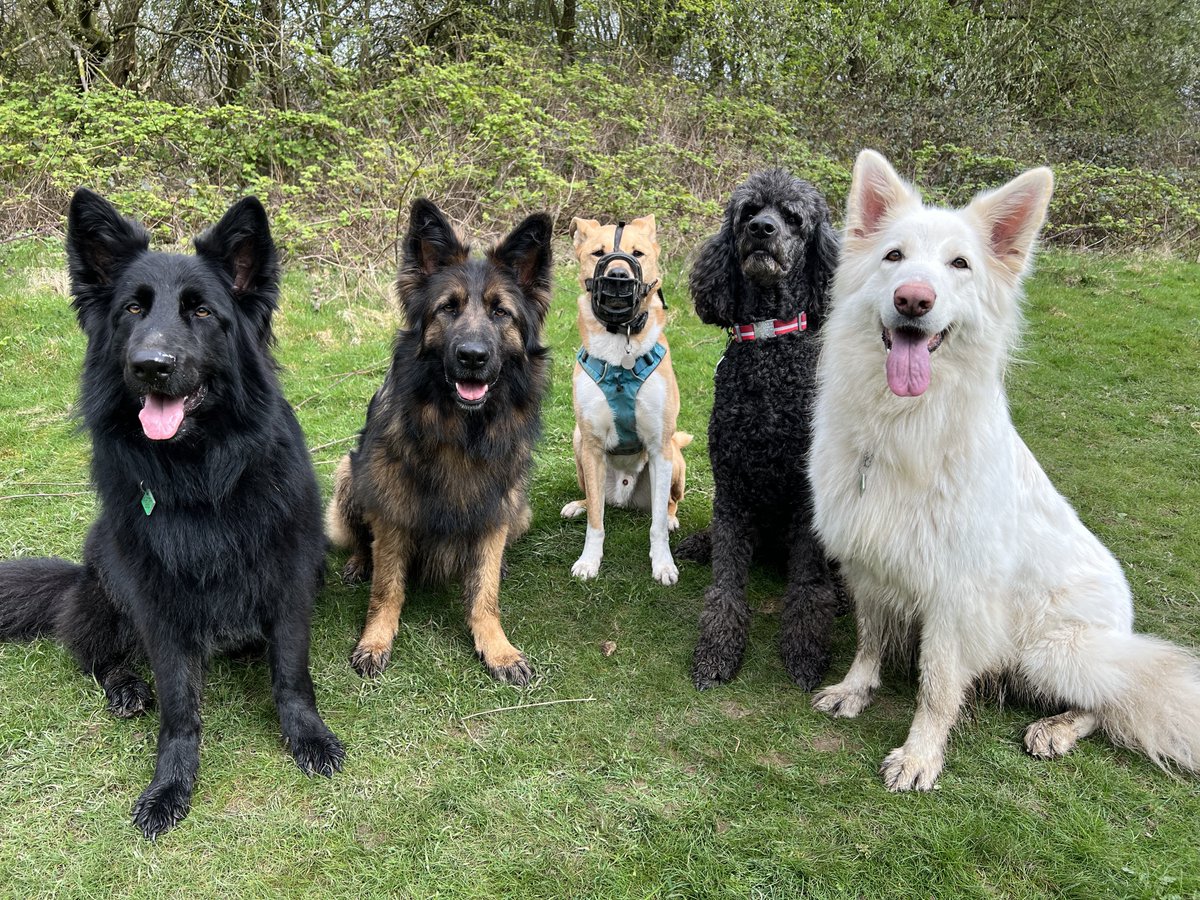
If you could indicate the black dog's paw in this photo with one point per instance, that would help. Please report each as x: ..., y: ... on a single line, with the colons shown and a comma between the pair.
x: 369, y: 662
x: 161, y: 807
x: 805, y: 667
x: 715, y: 663
x: 318, y: 753
x: 516, y: 672
x: 128, y: 697
x: 696, y: 548
x: 356, y: 571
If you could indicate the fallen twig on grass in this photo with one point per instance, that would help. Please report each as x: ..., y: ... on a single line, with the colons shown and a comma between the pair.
x: 60, y: 494
x: 488, y: 712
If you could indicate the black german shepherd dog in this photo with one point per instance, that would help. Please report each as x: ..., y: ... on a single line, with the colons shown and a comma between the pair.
x: 209, y: 536
x: 437, y: 486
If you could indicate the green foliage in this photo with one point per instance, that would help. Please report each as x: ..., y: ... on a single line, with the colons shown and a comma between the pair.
x: 492, y: 136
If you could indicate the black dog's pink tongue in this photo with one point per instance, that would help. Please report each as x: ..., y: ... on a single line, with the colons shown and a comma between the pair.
x: 908, y: 363
x: 161, y: 416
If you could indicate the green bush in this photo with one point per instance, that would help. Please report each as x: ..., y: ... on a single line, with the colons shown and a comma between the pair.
x: 491, y: 140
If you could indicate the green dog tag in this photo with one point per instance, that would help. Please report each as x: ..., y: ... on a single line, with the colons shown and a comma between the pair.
x: 148, y: 502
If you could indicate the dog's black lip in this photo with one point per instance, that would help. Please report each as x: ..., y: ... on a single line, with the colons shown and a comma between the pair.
x: 934, y: 342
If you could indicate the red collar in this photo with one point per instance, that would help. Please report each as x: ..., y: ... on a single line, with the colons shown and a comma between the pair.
x: 759, y: 331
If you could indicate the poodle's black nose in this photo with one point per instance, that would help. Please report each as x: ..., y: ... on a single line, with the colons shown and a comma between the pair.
x: 764, y: 225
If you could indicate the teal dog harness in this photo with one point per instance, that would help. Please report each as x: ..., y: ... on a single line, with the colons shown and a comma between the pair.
x: 620, y: 386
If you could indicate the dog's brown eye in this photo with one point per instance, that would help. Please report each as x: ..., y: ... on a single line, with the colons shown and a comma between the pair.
x: 134, y: 308
x: 894, y: 256
x: 959, y: 263
x: 638, y: 253
x: 499, y: 312
x: 598, y: 252
x: 450, y: 308
x: 202, y: 312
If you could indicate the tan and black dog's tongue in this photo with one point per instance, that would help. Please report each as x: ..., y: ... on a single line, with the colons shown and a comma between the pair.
x: 161, y: 416
x: 471, y: 391
x: 908, y: 363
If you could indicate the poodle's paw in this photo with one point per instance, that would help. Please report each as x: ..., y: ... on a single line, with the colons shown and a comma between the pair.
x: 695, y: 548
x: 574, y: 509
x: 903, y: 770
x: 805, y: 668
x: 715, y: 662
x: 842, y: 700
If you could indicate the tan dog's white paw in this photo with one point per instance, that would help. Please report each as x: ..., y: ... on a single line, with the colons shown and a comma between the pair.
x: 586, y: 567
x: 905, y: 771
x: 672, y: 523
x: 574, y: 509
x: 841, y: 700
x: 665, y: 572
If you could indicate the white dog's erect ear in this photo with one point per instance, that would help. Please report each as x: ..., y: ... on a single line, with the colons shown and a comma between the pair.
x: 876, y: 191
x: 1011, y: 216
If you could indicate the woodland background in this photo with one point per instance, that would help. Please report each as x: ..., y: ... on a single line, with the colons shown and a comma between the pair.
x: 338, y: 112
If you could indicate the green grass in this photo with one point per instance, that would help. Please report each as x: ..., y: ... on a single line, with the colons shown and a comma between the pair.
x: 646, y: 789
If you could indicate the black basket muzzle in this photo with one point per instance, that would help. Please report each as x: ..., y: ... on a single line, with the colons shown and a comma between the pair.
x: 617, y: 293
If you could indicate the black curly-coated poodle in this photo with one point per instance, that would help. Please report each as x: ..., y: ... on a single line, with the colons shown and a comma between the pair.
x: 771, y: 262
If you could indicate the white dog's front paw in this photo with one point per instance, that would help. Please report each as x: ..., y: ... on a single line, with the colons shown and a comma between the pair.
x: 903, y: 770
x: 574, y: 509
x: 586, y: 567
x: 841, y: 700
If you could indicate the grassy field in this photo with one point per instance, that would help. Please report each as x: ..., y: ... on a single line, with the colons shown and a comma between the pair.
x: 644, y: 787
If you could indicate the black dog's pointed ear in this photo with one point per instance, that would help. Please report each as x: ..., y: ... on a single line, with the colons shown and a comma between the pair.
x: 822, y: 254
x: 526, y: 252
x: 240, y: 245
x: 100, y: 243
x: 716, y: 277
x: 431, y: 243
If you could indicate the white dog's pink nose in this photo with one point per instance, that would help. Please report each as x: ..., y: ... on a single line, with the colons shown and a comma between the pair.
x: 914, y: 298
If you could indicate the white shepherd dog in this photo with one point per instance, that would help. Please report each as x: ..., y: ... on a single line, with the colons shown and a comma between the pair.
x: 944, y: 523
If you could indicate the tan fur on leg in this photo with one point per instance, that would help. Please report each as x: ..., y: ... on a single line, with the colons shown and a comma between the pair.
x: 504, y: 661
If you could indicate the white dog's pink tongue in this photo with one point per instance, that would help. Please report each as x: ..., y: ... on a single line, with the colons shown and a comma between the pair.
x: 471, y: 390
x: 161, y: 416
x: 908, y: 363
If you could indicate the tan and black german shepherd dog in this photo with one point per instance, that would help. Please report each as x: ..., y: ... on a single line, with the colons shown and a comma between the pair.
x: 649, y: 475
x: 436, y: 488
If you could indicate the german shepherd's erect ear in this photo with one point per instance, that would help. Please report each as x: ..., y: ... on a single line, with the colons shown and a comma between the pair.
x: 100, y: 244
x: 526, y: 253
x: 432, y: 243
x: 240, y: 247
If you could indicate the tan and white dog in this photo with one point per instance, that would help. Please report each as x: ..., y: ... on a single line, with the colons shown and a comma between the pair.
x: 651, y: 477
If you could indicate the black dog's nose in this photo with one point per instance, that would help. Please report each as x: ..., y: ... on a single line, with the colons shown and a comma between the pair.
x: 472, y: 355
x: 151, y: 365
x: 762, y: 226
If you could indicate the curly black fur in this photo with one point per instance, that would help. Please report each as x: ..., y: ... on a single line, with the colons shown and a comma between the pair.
x: 772, y: 259
x: 233, y: 551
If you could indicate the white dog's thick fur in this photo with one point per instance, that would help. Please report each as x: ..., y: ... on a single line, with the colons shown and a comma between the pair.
x: 944, y: 523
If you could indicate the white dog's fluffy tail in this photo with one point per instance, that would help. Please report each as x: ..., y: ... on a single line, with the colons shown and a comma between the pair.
x: 1146, y: 692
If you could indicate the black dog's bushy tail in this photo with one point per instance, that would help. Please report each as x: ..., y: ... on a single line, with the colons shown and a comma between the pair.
x: 32, y: 592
